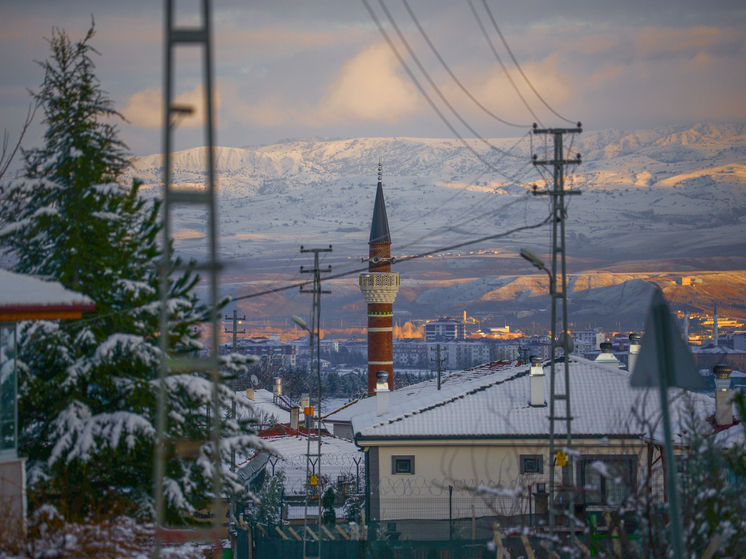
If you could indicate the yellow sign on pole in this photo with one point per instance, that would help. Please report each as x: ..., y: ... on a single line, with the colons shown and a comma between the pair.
x: 314, y: 481
x: 561, y: 459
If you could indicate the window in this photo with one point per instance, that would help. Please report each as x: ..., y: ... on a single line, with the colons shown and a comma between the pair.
x: 532, y: 464
x: 402, y: 465
x: 607, y: 479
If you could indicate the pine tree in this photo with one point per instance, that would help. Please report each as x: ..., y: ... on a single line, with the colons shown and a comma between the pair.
x: 87, y: 387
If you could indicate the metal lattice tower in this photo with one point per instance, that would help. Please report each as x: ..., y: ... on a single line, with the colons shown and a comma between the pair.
x: 559, y: 297
x: 198, y: 36
x: 314, y: 339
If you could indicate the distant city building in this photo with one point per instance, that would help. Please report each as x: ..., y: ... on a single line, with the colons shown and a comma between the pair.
x: 268, y: 350
x: 595, y: 337
x: 445, y: 329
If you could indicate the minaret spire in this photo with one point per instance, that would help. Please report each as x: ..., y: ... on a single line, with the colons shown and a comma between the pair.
x: 380, y: 286
x: 379, y: 227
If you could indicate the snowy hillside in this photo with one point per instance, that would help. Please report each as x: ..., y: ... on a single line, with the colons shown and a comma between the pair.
x: 675, y: 191
x: 646, y: 195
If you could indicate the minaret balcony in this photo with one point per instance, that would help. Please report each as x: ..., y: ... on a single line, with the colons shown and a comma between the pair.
x: 379, y: 287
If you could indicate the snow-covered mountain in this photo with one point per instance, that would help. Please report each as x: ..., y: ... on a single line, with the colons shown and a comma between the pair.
x: 650, y: 194
x: 672, y: 191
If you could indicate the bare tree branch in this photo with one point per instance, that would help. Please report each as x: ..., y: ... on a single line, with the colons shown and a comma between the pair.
x: 5, y: 158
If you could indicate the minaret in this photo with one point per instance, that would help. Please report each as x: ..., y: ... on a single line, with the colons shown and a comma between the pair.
x: 686, y: 324
x: 715, y: 326
x: 379, y: 286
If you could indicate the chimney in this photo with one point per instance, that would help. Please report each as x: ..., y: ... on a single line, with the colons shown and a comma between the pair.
x: 634, y: 351
x: 537, y: 382
x: 294, y: 417
x: 382, y: 393
x: 277, y: 386
x: 723, y: 405
x: 606, y: 357
x: 250, y: 393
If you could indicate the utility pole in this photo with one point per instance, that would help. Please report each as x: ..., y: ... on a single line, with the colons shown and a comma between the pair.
x: 559, y: 297
x: 233, y: 400
x: 314, y: 336
x: 176, y: 36
x: 233, y: 382
x: 439, y: 362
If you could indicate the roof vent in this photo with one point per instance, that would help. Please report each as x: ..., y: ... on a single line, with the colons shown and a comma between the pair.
x: 536, y: 380
x: 634, y: 350
x: 382, y: 393
x: 606, y: 357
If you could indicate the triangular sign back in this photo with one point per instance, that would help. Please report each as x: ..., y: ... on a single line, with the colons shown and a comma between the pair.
x: 664, y: 353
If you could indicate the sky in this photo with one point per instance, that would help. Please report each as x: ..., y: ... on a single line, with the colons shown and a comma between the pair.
x: 303, y: 69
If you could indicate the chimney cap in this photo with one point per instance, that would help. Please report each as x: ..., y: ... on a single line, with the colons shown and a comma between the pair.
x: 606, y: 347
x: 634, y: 338
x: 722, y: 371
x: 535, y: 360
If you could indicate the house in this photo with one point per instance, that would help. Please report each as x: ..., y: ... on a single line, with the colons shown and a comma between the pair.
x: 23, y: 297
x: 479, y: 447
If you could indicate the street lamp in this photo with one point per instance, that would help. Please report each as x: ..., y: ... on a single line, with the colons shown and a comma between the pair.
x: 532, y: 257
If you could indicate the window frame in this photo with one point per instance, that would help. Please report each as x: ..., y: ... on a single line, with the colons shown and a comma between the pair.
x: 402, y: 458
x: 601, y: 497
x: 524, y: 458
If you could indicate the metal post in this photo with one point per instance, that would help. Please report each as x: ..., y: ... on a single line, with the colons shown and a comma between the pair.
x: 181, y: 36
x: 558, y: 295
x: 314, y: 332
x: 439, y: 361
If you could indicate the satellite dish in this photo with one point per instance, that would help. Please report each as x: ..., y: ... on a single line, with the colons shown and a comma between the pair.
x: 254, y: 381
x: 566, y: 342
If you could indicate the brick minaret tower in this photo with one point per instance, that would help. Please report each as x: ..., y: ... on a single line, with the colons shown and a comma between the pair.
x: 379, y: 286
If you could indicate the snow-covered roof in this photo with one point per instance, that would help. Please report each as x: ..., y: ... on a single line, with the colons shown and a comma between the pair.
x: 26, y: 295
x: 716, y: 350
x: 427, y: 391
x: 337, y: 458
x: 263, y: 403
x: 496, y: 405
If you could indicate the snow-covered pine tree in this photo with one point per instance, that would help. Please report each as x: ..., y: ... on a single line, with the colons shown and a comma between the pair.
x: 88, y: 387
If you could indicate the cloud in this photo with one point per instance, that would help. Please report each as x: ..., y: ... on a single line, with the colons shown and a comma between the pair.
x: 495, y: 92
x: 145, y: 108
x: 370, y: 88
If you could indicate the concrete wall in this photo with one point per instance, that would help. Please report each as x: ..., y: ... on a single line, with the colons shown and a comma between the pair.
x: 465, y: 465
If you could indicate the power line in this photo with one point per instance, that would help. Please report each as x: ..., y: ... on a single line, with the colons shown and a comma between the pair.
x: 518, y: 66
x: 426, y: 96
x: 432, y: 83
x: 502, y: 64
x: 450, y: 73
x: 405, y: 259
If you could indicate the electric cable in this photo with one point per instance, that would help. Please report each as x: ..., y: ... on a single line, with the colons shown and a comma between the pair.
x: 518, y: 66
x: 425, y: 95
x: 405, y: 259
x: 450, y: 72
x: 500, y: 60
x: 432, y: 83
